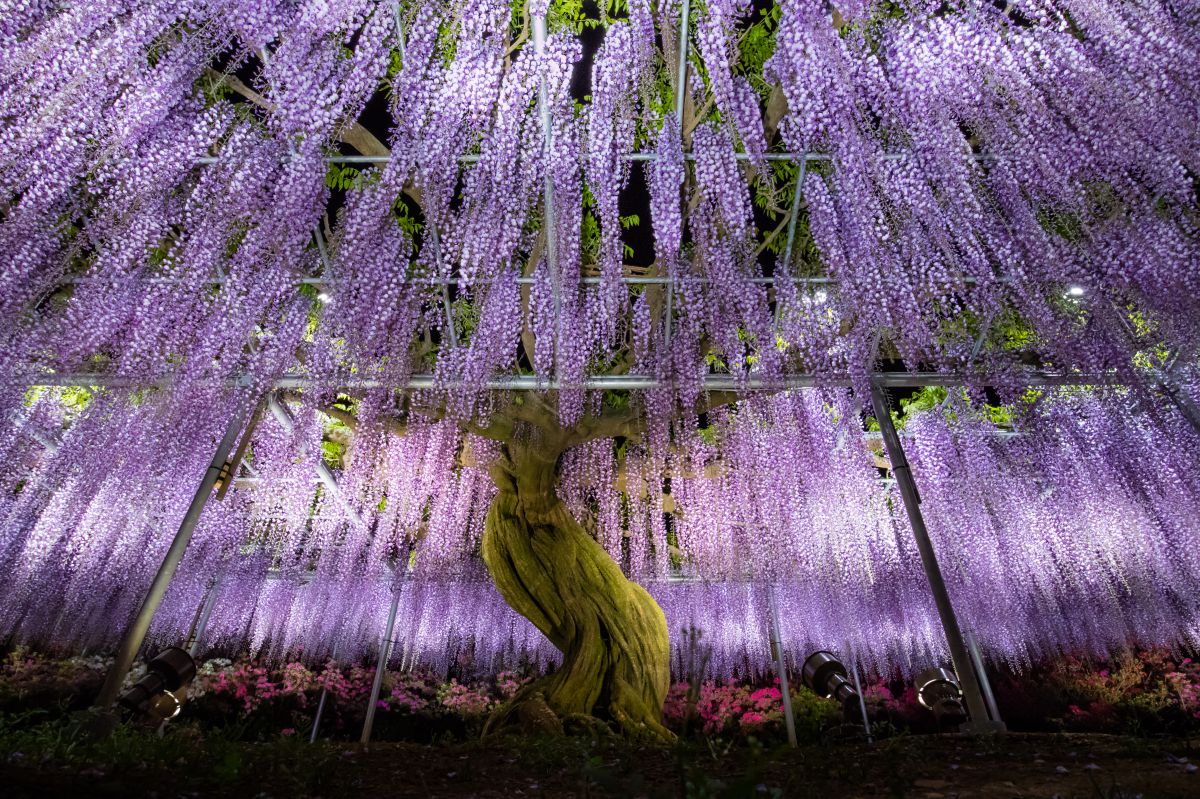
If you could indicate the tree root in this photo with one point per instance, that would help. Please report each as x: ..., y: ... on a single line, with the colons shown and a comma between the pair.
x: 530, y: 714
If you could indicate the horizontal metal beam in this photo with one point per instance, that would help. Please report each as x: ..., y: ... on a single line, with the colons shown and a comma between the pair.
x: 875, y: 435
x: 740, y: 155
x: 590, y: 280
x: 624, y: 382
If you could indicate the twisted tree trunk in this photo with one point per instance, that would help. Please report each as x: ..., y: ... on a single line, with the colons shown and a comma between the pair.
x: 611, y: 632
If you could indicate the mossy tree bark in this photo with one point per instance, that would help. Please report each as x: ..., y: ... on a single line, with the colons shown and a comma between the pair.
x: 612, y: 633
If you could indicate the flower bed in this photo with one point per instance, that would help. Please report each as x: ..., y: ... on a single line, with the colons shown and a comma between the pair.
x: 741, y: 710
x: 1147, y: 693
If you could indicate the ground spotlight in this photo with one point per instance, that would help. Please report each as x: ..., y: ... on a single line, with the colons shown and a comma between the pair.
x: 825, y: 676
x: 938, y: 689
x: 153, y: 698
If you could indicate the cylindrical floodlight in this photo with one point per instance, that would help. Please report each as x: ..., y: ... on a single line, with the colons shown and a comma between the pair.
x: 825, y: 676
x: 938, y: 689
x: 152, y: 695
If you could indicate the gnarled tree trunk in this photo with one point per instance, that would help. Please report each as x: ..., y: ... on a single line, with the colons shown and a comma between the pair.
x: 611, y: 632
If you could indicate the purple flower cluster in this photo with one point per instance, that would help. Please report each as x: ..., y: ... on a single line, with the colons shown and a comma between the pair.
x: 1050, y: 540
x: 989, y: 188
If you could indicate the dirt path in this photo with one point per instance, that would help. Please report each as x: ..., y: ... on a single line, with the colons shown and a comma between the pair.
x: 927, y: 767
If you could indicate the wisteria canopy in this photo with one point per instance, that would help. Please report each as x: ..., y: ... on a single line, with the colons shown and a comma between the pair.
x: 586, y: 303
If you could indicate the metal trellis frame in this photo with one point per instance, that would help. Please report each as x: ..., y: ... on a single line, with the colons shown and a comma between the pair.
x: 878, y: 381
x: 588, y: 280
x: 680, y: 95
x: 741, y: 155
x: 549, y: 223
x: 716, y: 382
x: 451, y: 337
x: 327, y: 478
x: 318, y: 236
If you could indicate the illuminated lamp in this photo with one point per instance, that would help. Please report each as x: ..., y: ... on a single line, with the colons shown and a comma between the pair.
x: 152, y: 698
x: 939, y: 691
x: 826, y: 676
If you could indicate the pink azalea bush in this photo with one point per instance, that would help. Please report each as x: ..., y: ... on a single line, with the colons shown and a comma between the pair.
x: 897, y: 704
x: 1130, y: 692
x: 734, y: 709
x: 467, y: 700
x: 409, y: 693
x: 289, y: 695
x: 349, y: 684
x: 509, y: 682
x: 247, y: 683
x: 1185, y: 682
x: 297, y: 678
x: 1139, y: 692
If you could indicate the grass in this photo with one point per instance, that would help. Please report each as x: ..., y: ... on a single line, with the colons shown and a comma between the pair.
x: 218, y: 756
x: 42, y: 753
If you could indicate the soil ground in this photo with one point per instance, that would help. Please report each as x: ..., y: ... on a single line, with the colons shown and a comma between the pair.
x: 926, y: 767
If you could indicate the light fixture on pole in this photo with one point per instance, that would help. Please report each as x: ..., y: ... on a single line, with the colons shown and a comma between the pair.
x: 827, y: 677
x: 938, y: 690
x: 155, y: 697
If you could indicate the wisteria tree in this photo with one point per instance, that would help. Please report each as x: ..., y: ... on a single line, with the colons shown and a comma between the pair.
x: 433, y: 212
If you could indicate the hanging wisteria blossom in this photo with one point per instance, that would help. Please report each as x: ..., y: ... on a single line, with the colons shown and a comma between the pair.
x: 559, y: 345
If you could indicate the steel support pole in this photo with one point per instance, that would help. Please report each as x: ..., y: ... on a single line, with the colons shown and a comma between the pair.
x: 321, y: 702
x: 793, y: 216
x: 549, y: 221
x: 668, y: 313
x: 984, y: 683
x: 862, y: 700
x: 680, y: 96
x: 789, y: 719
x: 1180, y: 400
x: 385, y: 650
x: 447, y: 308
x: 794, y: 213
x: 312, y: 738
x: 1164, y: 378
x: 45, y: 440
x: 327, y: 478
x: 984, y: 329
x: 681, y: 81
x: 976, y: 707
x: 206, y: 610
x: 136, y: 633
